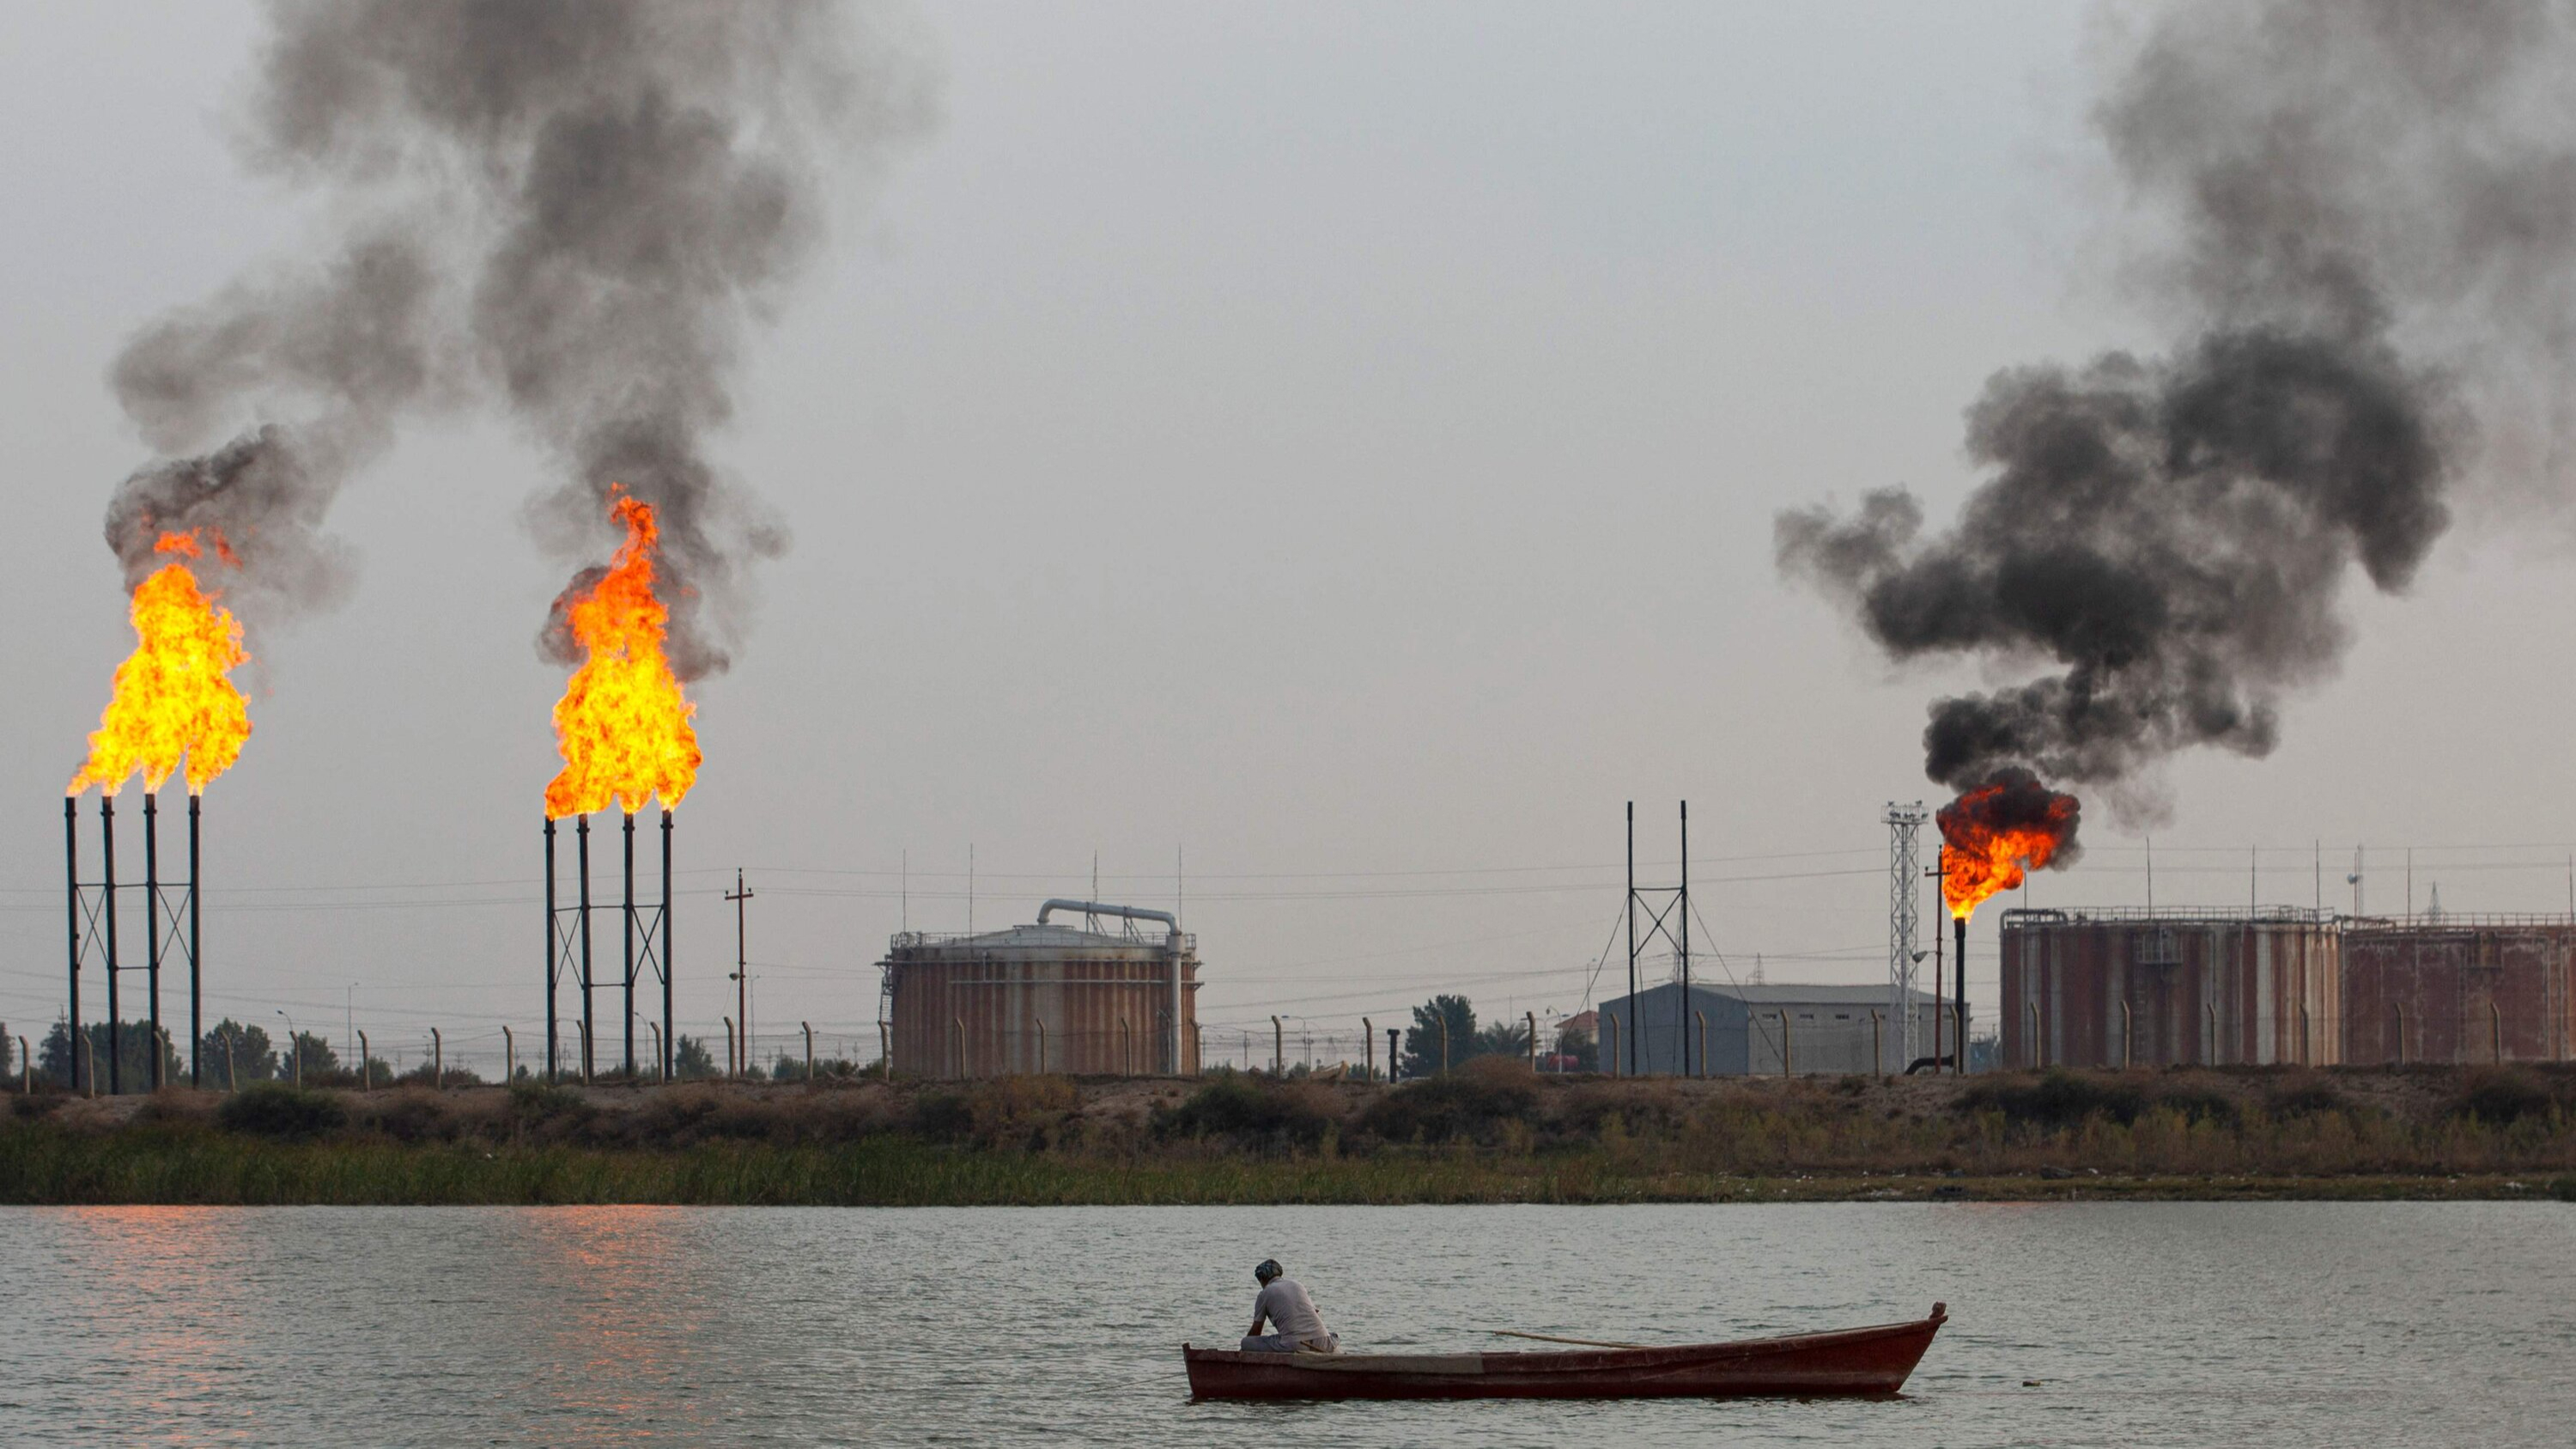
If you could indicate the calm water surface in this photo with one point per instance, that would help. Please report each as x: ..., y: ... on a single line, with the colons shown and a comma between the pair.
x: 2184, y: 1324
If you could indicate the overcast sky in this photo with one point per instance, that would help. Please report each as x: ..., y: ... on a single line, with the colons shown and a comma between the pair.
x: 1337, y: 445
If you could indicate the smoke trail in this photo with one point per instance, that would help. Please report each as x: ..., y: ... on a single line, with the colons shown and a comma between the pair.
x: 2364, y: 212
x: 576, y: 207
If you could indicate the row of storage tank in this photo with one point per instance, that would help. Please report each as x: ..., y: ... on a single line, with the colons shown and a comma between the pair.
x: 2118, y: 987
x: 2095, y: 988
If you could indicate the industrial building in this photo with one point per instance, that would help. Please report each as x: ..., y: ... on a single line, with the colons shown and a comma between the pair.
x: 1115, y: 996
x: 2112, y: 987
x: 1731, y: 1030
x: 2458, y: 989
x: 2117, y: 987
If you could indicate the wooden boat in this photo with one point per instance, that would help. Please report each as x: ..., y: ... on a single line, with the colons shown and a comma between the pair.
x: 1853, y: 1361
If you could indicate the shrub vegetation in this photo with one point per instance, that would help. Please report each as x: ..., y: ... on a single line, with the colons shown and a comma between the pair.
x: 1489, y: 1131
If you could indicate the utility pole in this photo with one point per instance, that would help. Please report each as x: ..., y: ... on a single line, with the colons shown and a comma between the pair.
x: 740, y: 895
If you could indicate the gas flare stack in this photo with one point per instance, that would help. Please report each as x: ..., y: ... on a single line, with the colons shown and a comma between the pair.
x: 1992, y: 836
x: 624, y: 732
x: 173, y: 701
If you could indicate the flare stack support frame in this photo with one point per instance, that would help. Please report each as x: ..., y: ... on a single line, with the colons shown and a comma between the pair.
x: 171, y: 921
x: 645, y: 950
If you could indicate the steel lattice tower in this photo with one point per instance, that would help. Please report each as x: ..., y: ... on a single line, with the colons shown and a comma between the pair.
x: 1904, y: 874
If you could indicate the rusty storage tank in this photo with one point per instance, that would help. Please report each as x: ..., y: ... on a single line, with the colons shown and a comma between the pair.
x: 2113, y: 987
x: 1111, y: 1000
x: 2458, y: 989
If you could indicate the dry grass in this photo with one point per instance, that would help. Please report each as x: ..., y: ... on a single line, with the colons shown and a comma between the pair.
x: 1494, y: 1133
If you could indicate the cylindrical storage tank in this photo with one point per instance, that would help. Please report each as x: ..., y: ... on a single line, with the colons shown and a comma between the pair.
x: 2120, y: 987
x: 2459, y: 989
x: 1042, y: 998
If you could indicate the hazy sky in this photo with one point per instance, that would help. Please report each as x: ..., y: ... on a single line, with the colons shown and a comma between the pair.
x: 1337, y: 443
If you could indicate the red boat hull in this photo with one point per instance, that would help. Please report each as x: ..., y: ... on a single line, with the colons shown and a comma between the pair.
x: 1852, y: 1362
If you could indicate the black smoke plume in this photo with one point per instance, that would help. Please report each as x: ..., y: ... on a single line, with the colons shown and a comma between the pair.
x: 579, y: 208
x: 2364, y: 214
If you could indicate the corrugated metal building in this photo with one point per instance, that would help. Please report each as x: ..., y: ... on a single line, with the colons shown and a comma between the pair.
x: 2459, y: 989
x: 1750, y: 1030
x: 1045, y: 998
x: 2113, y: 987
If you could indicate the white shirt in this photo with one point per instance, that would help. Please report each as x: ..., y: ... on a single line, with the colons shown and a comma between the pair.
x: 1289, y: 1310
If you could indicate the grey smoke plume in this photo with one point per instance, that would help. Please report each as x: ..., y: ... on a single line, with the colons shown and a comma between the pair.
x: 2364, y: 213
x: 579, y: 208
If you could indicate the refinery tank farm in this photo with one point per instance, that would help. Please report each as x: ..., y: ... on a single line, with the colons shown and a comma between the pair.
x: 844, y: 722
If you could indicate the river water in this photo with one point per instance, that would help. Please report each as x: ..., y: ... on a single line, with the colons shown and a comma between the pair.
x: 2268, y: 1324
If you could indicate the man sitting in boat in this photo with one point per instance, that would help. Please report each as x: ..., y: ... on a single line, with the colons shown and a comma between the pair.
x: 1287, y: 1308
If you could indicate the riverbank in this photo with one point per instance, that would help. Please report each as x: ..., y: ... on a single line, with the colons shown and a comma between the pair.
x: 1490, y: 1135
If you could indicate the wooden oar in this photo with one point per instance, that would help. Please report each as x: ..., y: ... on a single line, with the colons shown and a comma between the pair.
x: 1551, y: 1338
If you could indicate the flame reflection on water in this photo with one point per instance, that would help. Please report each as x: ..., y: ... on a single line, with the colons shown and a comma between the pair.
x: 2290, y: 1324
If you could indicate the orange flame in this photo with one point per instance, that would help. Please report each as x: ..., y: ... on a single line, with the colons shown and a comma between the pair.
x: 623, y: 723
x: 173, y: 697
x: 1997, y: 831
